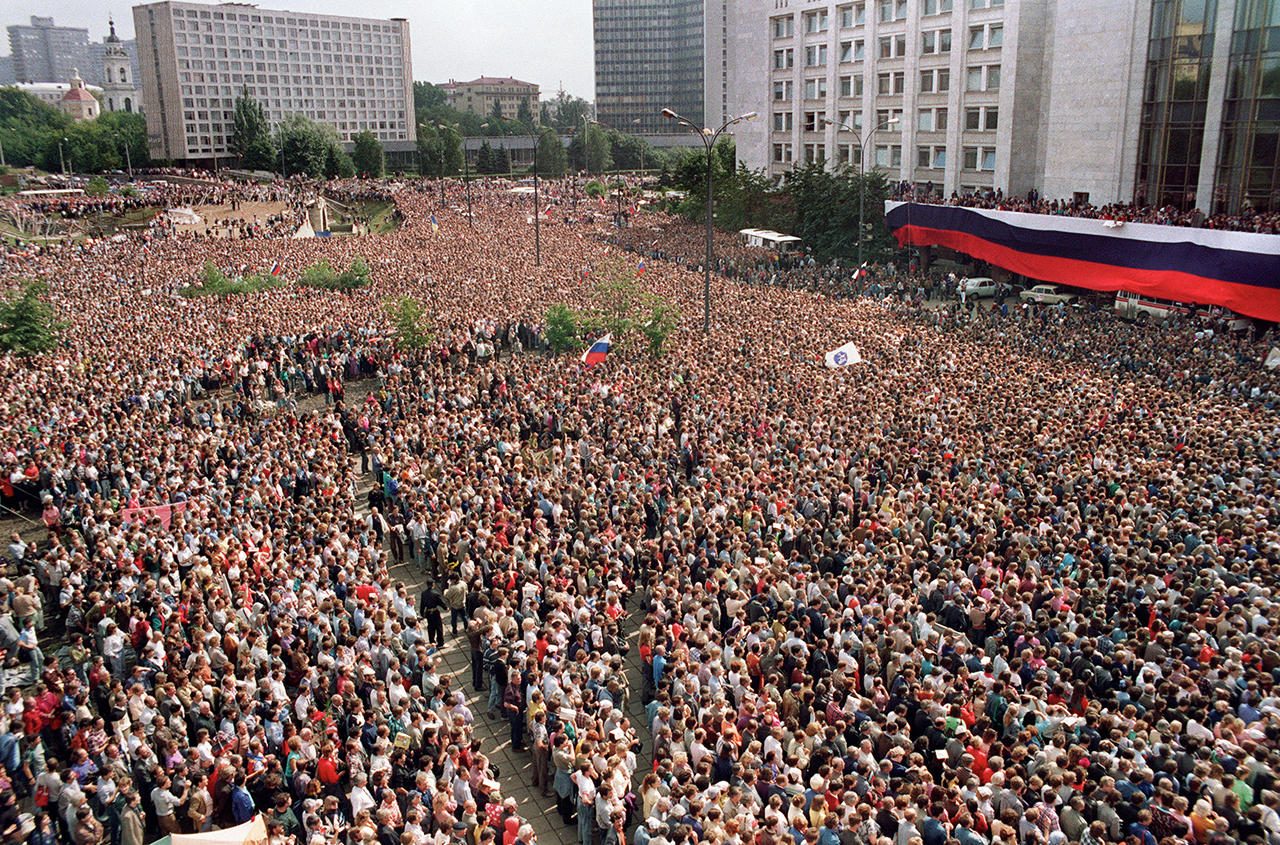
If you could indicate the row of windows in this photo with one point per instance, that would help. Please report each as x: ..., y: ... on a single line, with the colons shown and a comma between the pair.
x: 190, y: 18
x: 932, y: 43
x: 855, y: 14
x: 929, y: 157
x: 932, y: 81
x: 976, y: 119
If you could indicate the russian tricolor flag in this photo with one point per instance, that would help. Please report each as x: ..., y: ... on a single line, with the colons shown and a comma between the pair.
x: 277, y: 268
x: 597, y: 351
x: 640, y: 268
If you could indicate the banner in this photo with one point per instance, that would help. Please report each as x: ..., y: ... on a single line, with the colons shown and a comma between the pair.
x: 1237, y: 270
x: 164, y: 512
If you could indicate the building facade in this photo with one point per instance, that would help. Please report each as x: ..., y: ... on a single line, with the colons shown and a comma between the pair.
x: 480, y: 96
x: 45, y: 52
x: 353, y: 74
x: 1169, y: 102
x: 119, y: 83
x: 78, y: 102
x: 649, y: 55
x: 54, y: 93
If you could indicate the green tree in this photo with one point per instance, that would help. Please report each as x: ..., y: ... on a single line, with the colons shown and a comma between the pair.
x: 337, y: 164
x: 484, y: 158
x: 428, y: 96
x: 564, y: 330
x: 319, y: 275
x: 27, y: 322
x: 658, y: 320
x: 598, y: 154
x: 551, y: 156
x: 439, y: 150
x: 303, y: 147
x: 87, y: 147
x: 97, y: 187
x: 525, y: 115
x: 27, y: 126
x: 249, y: 123
x: 496, y: 112
x: 408, y: 318
x: 367, y: 154
x: 128, y: 129
x: 502, y: 160
x: 262, y: 154
x: 629, y: 152
x: 565, y: 112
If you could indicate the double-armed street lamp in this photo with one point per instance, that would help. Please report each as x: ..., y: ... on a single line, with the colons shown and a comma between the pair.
x: 709, y: 138
x: 862, y: 167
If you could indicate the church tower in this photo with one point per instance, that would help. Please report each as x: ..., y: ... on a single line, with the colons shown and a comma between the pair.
x: 118, y: 90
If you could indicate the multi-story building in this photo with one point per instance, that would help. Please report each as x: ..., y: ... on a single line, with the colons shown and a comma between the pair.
x: 44, y: 52
x: 480, y: 96
x: 1173, y: 102
x: 353, y: 74
x: 649, y: 56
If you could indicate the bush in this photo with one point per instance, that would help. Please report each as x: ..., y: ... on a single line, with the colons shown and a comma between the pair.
x: 409, y: 321
x: 595, y: 188
x: 564, y: 328
x: 323, y: 277
x: 27, y: 322
x: 97, y: 187
x: 214, y: 282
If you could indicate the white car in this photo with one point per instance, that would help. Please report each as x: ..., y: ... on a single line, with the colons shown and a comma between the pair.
x: 978, y: 286
x: 1047, y: 295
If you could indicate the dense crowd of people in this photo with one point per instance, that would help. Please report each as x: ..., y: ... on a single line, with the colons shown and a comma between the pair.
x: 1245, y: 220
x: 1009, y: 581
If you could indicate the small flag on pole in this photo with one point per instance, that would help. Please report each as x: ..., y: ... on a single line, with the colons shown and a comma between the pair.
x: 843, y: 356
x: 277, y: 268
x: 640, y: 268
x: 435, y: 224
x: 597, y: 351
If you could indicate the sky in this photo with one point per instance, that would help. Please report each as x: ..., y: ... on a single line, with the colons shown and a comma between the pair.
x: 547, y: 42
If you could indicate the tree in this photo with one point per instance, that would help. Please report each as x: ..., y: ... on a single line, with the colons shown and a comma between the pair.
x: 524, y: 114
x: 496, y: 112
x: 428, y: 96
x: 484, y: 158
x: 629, y: 152
x: 657, y: 321
x: 501, y: 160
x: 439, y: 151
x: 564, y: 330
x: 551, y: 156
x: 250, y: 123
x: 565, y: 112
x: 302, y: 147
x: 367, y: 154
x: 409, y: 321
x: 597, y: 149
x: 97, y: 187
x: 26, y: 127
x: 27, y: 321
x: 261, y: 155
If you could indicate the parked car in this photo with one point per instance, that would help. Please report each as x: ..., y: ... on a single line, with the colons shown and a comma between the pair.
x: 1047, y: 295
x: 978, y: 286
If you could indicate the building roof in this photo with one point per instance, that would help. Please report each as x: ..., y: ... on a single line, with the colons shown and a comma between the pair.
x: 77, y: 94
x: 488, y: 80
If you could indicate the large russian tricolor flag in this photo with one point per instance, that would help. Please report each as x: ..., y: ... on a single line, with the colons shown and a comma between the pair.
x: 1237, y: 270
x: 597, y: 351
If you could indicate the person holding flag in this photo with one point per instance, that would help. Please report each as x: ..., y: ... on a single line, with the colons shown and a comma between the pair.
x: 598, y: 351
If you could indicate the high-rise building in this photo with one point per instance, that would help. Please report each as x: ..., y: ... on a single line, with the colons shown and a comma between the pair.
x: 43, y: 52
x: 649, y: 55
x: 119, y: 83
x: 479, y: 96
x: 353, y: 74
x: 1171, y: 102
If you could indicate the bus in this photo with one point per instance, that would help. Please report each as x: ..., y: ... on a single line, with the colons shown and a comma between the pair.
x: 1143, y: 309
x: 766, y: 239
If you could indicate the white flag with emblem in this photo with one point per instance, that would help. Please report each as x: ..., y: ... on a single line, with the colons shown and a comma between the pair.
x: 843, y: 356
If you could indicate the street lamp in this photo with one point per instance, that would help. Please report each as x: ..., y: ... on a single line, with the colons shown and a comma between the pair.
x: 862, y: 168
x: 709, y: 139
x: 127, y: 157
x: 62, y: 159
x: 636, y: 123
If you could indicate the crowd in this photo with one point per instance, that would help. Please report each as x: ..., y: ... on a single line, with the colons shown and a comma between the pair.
x: 1010, y: 581
x: 1245, y: 220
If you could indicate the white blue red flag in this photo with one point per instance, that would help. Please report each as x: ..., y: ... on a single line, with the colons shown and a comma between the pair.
x: 277, y: 269
x: 597, y: 351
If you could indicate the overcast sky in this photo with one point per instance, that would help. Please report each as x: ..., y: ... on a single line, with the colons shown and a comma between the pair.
x: 547, y: 42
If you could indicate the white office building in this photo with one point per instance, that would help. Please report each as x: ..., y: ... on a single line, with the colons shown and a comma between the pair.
x: 957, y: 95
x: 350, y: 73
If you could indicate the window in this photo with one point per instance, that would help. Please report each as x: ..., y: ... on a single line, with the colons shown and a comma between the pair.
x: 988, y: 37
x: 782, y: 121
x: 782, y: 153
x: 784, y: 27
x: 979, y: 158
x: 815, y: 153
x: 934, y: 157
x: 815, y: 56
x: 851, y: 154
x: 935, y: 80
x: 815, y: 89
x: 931, y: 120
x: 992, y: 122
x: 983, y: 78
x: 982, y: 119
x: 854, y: 15
x: 935, y: 41
x: 891, y: 83
x: 813, y: 121
x: 846, y: 86
x: 852, y: 119
x: 893, y: 46
x: 851, y: 51
x: 783, y: 90
x: 892, y: 10
x: 784, y: 59
x: 815, y: 22
x: 889, y: 120
x: 986, y: 4
x: 937, y: 7
x: 888, y: 155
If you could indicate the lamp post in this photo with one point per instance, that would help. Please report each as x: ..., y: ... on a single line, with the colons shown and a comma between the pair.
x: 62, y: 159
x: 709, y: 139
x: 862, y: 168
x: 537, y: 217
x: 127, y: 157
